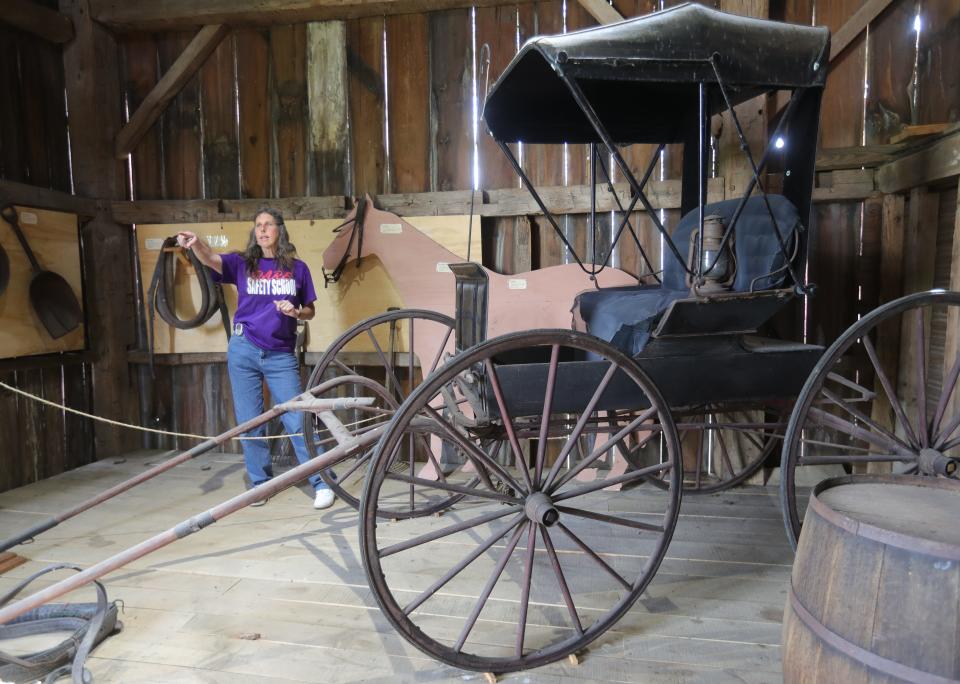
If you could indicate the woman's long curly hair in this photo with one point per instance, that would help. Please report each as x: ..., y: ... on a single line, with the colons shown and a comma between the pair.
x: 284, y: 253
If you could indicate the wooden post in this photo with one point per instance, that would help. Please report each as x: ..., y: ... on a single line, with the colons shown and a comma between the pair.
x: 93, y: 95
x: 919, y: 258
x: 951, y: 346
x: 288, y: 65
x: 408, y: 76
x: 733, y: 165
x: 253, y: 105
x: 328, y: 106
x: 218, y: 106
x: 920, y: 241
x: 890, y: 287
x: 366, y: 104
x: 451, y: 86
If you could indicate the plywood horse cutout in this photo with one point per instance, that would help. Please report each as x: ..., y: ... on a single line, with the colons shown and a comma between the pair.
x: 418, y: 267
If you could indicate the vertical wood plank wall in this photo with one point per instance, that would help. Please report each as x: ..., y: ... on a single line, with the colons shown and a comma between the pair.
x: 386, y: 105
x: 38, y: 441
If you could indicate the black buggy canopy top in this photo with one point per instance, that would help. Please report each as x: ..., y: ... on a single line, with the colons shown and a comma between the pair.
x: 641, y: 75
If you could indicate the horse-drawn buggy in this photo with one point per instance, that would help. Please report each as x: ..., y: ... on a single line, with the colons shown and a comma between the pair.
x: 527, y: 476
x: 533, y: 442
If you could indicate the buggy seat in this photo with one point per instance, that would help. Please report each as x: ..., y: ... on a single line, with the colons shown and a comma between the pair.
x: 627, y: 316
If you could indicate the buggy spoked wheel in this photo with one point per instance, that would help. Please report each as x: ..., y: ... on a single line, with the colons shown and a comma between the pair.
x: 346, y: 479
x: 863, y: 409
x: 543, y: 552
x: 378, y: 348
x: 722, y: 446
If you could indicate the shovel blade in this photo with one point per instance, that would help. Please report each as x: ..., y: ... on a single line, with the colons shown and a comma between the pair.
x: 55, y: 303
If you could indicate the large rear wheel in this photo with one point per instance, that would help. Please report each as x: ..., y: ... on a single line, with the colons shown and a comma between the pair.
x: 883, y: 398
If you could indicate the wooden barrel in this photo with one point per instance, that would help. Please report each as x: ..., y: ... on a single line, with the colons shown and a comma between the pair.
x: 875, y: 587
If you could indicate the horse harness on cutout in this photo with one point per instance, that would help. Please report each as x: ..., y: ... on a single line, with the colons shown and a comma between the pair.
x: 356, y: 233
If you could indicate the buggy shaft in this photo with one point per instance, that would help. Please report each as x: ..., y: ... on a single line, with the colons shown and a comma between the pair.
x: 192, y: 524
x: 202, y: 448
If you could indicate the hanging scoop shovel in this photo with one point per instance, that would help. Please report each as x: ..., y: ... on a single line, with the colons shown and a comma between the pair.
x: 50, y: 294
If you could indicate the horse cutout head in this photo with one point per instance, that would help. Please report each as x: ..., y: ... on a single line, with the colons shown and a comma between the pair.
x: 349, y: 240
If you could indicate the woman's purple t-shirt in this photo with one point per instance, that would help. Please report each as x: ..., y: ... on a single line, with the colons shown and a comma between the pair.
x: 262, y: 323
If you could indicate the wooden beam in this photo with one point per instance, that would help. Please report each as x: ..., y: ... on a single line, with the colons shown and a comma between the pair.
x: 602, y: 11
x: 845, y: 186
x: 36, y: 19
x: 42, y: 198
x: 919, y: 131
x: 57, y: 360
x: 187, y: 64
x: 930, y: 164
x: 575, y: 199
x: 200, y: 211
x: 169, y: 15
x: 857, y: 157
x: 855, y: 25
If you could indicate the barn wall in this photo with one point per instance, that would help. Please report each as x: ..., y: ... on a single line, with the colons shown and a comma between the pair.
x: 385, y: 105
x: 38, y: 441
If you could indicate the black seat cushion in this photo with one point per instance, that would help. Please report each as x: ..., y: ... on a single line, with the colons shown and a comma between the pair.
x: 627, y: 316
x: 756, y: 248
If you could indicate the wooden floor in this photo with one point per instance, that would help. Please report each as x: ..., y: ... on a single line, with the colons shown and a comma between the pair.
x: 278, y: 593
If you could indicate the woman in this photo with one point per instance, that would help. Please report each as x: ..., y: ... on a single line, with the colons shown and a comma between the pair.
x: 274, y: 291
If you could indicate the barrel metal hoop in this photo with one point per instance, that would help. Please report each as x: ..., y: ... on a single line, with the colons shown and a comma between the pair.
x: 875, y: 662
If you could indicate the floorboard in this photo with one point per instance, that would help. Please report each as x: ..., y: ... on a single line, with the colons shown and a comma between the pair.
x: 279, y: 593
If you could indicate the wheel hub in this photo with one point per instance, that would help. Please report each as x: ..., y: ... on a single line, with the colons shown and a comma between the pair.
x: 540, y: 509
x: 932, y: 462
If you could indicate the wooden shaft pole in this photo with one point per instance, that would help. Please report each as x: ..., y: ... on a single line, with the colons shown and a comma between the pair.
x: 191, y: 525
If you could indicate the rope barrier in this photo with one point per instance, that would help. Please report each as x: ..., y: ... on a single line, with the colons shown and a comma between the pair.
x: 155, y: 431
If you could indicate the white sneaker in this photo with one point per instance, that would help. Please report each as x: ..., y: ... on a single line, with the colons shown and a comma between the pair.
x: 324, y: 498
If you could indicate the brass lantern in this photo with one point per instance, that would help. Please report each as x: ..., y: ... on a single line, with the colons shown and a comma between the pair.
x: 714, y: 270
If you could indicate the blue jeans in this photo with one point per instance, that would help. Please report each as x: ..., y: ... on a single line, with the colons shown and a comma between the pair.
x: 248, y: 366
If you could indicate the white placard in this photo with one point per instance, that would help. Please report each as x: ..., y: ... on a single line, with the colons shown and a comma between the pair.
x: 443, y: 267
x: 28, y: 218
x: 517, y: 284
x: 153, y: 243
x: 391, y: 228
x: 218, y: 241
